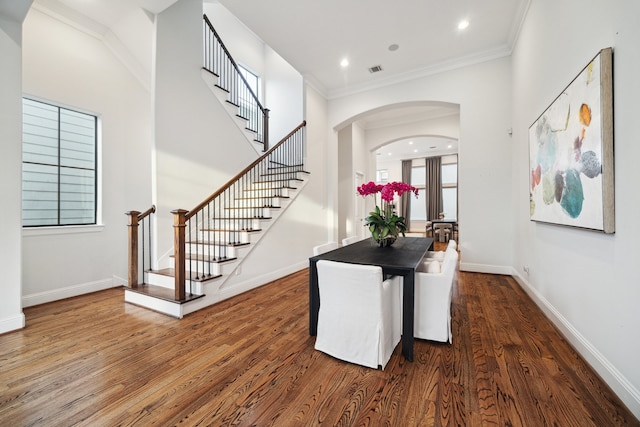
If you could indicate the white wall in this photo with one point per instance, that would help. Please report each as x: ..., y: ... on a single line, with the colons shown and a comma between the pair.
x: 198, y: 148
x: 484, y: 95
x: 448, y: 126
x: 11, y: 316
x: 584, y: 280
x: 67, y: 66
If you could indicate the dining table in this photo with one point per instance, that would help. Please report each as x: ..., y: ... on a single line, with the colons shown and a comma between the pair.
x: 402, y: 258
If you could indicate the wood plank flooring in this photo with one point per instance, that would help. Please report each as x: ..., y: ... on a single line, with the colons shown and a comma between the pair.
x: 249, y: 361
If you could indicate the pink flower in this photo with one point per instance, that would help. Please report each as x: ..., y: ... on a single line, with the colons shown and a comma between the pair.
x: 387, y: 191
x: 369, y: 188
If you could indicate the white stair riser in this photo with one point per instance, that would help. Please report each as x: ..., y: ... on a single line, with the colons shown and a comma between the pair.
x: 250, y: 212
x: 169, y: 283
x: 213, y: 268
x: 274, y: 184
x: 269, y: 192
x: 259, y: 201
x: 225, y: 224
x: 211, y: 250
x: 223, y: 236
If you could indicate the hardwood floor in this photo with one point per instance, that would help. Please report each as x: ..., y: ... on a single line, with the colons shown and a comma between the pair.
x: 249, y: 361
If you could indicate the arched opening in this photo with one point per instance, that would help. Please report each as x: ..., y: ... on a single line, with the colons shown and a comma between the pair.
x: 374, y: 143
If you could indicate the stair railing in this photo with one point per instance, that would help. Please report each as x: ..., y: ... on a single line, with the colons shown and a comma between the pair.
x: 138, y: 262
x: 218, y: 60
x: 217, y: 224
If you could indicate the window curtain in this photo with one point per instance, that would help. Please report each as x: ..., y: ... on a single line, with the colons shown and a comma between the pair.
x: 405, y: 199
x: 434, y: 187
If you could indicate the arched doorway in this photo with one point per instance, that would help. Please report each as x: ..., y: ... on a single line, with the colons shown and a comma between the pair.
x: 425, y: 125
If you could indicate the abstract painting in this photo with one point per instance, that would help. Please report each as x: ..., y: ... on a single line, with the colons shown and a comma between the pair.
x: 571, y: 153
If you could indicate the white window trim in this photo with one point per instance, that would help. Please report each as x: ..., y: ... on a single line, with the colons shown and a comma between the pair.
x: 74, y: 229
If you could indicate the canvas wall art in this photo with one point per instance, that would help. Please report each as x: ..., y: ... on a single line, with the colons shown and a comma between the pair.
x: 571, y: 152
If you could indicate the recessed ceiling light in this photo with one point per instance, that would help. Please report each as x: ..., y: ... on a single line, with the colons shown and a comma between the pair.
x: 463, y: 24
x: 388, y: 154
x: 344, y: 63
x: 393, y: 47
x: 449, y: 146
x: 415, y: 151
x: 410, y: 142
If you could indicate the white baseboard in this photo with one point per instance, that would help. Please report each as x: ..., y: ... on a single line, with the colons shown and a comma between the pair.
x: 485, y: 268
x: 257, y: 281
x: 71, y: 291
x: 629, y: 395
x: 12, y: 323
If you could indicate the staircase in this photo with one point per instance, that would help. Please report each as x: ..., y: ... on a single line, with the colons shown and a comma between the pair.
x: 213, y: 239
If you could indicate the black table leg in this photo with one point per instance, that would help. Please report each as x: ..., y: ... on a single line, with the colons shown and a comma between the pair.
x: 314, y: 299
x: 408, y: 296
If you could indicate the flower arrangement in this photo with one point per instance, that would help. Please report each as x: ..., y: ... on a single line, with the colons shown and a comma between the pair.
x: 384, y: 224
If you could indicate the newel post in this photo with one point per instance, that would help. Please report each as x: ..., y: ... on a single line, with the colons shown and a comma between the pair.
x: 179, y: 252
x: 133, y: 248
x: 265, y: 129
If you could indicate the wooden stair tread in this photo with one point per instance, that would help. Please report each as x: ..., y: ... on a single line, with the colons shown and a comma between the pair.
x: 282, y: 187
x: 218, y: 243
x: 265, y: 181
x: 262, y: 197
x: 162, y: 293
x: 170, y: 272
x: 238, y: 218
x: 252, y: 207
x: 229, y: 230
x: 208, y: 259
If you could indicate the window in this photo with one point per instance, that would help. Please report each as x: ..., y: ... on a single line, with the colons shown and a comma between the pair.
x: 418, y: 206
x: 248, y: 106
x: 59, y: 159
x: 449, y: 191
x: 382, y: 176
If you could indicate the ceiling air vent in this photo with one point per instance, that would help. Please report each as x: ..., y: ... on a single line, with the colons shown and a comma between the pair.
x: 375, y: 69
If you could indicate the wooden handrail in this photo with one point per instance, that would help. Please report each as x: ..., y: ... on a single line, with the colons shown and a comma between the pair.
x: 235, y: 65
x: 146, y: 213
x: 246, y: 87
x: 208, y: 200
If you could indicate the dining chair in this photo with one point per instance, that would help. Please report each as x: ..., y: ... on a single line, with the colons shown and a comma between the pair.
x: 349, y: 240
x: 359, y: 320
x: 325, y: 247
x: 432, y: 319
x: 429, y: 229
x: 442, y: 232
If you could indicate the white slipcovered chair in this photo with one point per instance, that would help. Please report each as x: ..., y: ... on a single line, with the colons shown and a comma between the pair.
x: 349, y: 240
x: 433, y: 287
x: 359, y: 320
x: 325, y: 247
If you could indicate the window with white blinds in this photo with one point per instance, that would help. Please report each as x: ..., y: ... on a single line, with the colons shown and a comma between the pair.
x: 59, y: 181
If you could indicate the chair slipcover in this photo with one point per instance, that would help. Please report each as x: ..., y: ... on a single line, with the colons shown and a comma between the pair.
x: 432, y: 319
x: 359, y: 320
x: 349, y: 240
x: 326, y: 247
